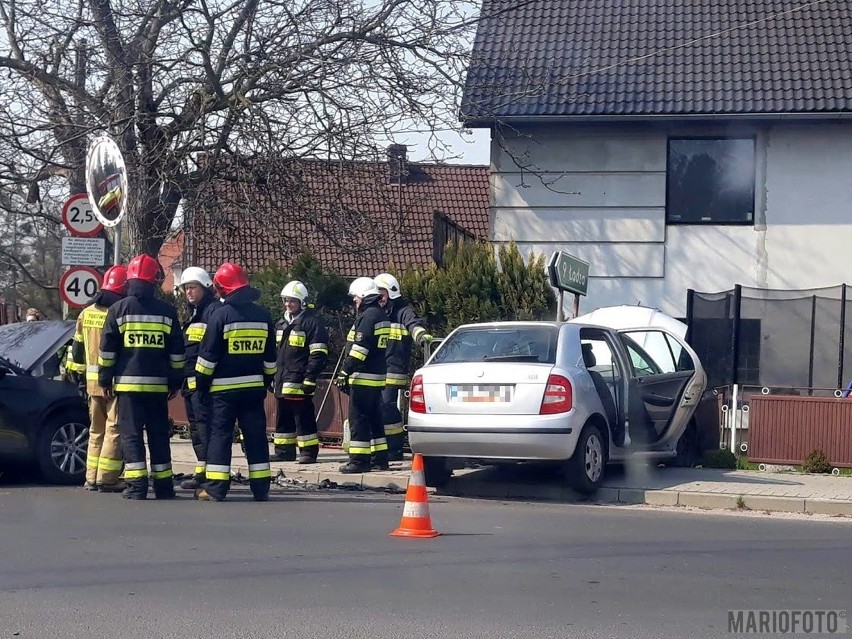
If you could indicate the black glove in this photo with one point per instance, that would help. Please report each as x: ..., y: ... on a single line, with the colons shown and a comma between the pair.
x: 342, y: 381
x: 309, y: 387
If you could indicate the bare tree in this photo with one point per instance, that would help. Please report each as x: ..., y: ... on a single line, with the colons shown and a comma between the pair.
x: 183, y: 84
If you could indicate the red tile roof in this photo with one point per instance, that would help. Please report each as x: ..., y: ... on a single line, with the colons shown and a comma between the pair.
x: 347, y: 214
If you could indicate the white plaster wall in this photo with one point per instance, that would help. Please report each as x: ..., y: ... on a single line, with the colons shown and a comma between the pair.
x: 598, y: 192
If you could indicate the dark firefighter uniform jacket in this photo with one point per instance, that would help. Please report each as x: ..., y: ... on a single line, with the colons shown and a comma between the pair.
x: 405, y: 329
x: 87, y: 340
x: 193, y: 332
x: 365, y: 363
x: 141, y: 347
x: 302, y: 353
x: 237, y: 352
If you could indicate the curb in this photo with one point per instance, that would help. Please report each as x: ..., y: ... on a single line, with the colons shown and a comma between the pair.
x: 397, y: 482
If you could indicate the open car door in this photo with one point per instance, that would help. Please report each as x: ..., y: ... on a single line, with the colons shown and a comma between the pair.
x: 667, y: 382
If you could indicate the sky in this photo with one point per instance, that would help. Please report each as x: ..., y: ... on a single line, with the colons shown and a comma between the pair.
x: 474, y: 147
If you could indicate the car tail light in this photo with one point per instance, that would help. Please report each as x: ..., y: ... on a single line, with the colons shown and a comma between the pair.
x: 558, y: 396
x: 416, y: 400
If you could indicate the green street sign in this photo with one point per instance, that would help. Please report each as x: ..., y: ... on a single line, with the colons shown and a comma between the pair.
x: 568, y: 273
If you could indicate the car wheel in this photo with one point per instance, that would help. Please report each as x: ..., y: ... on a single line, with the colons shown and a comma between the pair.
x: 62, y: 446
x: 585, y: 469
x: 436, y: 471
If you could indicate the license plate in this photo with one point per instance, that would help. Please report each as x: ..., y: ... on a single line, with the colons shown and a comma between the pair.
x: 480, y: 393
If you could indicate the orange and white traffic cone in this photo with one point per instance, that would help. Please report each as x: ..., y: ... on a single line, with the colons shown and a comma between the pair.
x: 416, y: 521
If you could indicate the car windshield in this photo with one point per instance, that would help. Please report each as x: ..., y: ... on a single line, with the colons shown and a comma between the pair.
x: 535, y: 344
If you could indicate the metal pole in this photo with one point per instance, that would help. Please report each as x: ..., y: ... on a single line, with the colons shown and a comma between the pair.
x: 734, y: 408
x: 842, y: 337
x: 690, y: 312
x: 735, y: 334
x: 559, y: 308
x: 576, y: 309
x: 813, y: 339
x: 116, y: 247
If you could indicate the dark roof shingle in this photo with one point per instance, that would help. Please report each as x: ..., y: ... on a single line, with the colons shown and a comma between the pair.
x: 660, y: 57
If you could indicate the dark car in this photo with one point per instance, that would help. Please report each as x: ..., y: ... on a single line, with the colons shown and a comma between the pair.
x: 43, y: 419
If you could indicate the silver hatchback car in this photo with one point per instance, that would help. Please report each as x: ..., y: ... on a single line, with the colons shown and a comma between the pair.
x: 578, y: 393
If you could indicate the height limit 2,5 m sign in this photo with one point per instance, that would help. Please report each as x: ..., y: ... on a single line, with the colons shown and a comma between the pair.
x: 79, y: 218
x: 568, y: 274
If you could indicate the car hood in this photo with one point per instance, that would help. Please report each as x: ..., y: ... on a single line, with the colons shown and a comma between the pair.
x: 629, y: 317
x: 28, y: 344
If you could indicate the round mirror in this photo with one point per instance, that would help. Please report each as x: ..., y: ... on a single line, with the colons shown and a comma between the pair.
x: 106, y: 180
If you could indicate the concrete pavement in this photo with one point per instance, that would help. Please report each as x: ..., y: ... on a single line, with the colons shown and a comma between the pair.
x: 632, y: 484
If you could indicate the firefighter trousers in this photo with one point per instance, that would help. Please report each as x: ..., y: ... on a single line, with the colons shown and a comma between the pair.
x: 148, y: 413
x: 228, y: 408
x: 198, y: 413
x: 296, y: 424
x: 392, y: 419
x: 366, y: 432
x: 103, y: 458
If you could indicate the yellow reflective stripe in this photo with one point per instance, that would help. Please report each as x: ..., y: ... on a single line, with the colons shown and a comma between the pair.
x: 191, y: 383
x: 360, y: 381
x: 141, y: 388
x: 359, y: 448
x: 224, y: 387
x: 205, y: 367
x: 318, y: 347
x: 177, y: 365
x: 92, y: 461
x: 135, y: 474
x: 394, y: 429
x: 283, y: 439
x: 269, y: 370
x: 104, y: 463
x: 378, y: 447
x: 245, y: 332
x: 260, y: 471
x: 200, y: 468
x: 155, y: 327
x: 314, y: 441
x: 218, y: 476
x: 162, y: 474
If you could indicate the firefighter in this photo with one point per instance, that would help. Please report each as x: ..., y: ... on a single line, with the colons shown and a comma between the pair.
x: 405, y: 329
x: 302, y: 354
x: 363, y: 377
x: 197, y: 286
x: 103, y: 458
x: 141, y: 362
x: 236, y: 364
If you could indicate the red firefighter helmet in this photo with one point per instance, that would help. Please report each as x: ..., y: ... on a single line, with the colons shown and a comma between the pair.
x: 115, y: 279
x: 143, y: 267
x: 229, y: 278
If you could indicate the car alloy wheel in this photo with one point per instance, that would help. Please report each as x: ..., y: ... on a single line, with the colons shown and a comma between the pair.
x: 593, y: 458
x: 68, y: 447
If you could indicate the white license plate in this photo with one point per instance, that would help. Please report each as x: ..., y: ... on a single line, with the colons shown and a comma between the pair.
x: 479, y: 393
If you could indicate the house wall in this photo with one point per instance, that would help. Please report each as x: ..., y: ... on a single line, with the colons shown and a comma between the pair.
x: 599, y: 192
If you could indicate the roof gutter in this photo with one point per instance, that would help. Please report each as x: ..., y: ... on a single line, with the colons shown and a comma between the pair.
x: 487, y: 123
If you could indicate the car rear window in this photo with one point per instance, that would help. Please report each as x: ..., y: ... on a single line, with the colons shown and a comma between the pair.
x: 536, y: 344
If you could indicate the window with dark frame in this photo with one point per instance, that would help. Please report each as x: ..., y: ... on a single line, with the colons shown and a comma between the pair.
x: 710, y: 181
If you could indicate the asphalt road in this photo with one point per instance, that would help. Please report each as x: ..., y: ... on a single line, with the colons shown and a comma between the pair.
x: 321, y: 564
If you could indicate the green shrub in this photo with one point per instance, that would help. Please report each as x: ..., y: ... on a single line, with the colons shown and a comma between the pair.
x: 816, y: 462
x: 720, y: 459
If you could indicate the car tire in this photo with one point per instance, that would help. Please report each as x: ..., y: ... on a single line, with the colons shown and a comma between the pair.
x: 62, y: 446
x: 436, y: 472
x: 585, y: 469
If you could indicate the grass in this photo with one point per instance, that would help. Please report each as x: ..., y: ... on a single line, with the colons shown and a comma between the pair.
x: 741, y: 505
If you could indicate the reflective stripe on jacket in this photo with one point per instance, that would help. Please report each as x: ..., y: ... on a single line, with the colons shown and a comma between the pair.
x: 238, y: 349
x: 302, y: 353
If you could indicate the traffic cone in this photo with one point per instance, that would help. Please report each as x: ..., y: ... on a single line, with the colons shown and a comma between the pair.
x: 416, y: 521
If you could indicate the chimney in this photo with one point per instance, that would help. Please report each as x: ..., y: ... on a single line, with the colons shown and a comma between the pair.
x: 397, y: 164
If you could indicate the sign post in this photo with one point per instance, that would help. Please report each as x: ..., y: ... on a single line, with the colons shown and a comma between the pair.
x: 571, y: 274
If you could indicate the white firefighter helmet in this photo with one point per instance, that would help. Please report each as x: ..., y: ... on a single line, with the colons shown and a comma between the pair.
x: 295, y: 290
x: 362, y: 287
x: 389, y: 283
x: 196, y: 274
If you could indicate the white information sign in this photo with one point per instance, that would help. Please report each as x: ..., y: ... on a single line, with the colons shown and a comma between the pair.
x: 83, y: 251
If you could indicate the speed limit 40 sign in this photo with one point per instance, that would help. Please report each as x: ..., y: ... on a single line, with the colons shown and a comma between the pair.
x: 79, y: 285
x: 79, y: 218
